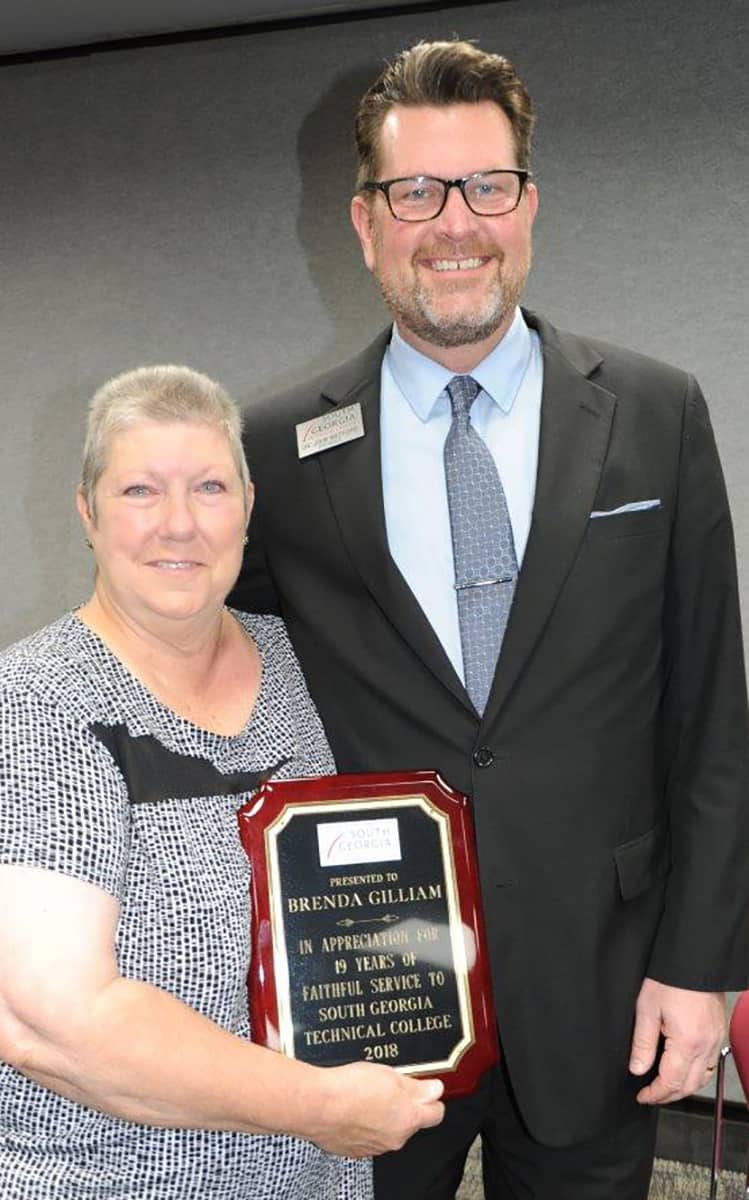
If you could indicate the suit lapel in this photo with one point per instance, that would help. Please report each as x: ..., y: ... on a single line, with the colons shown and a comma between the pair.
x: 353, y: 477
x: 576, y: 417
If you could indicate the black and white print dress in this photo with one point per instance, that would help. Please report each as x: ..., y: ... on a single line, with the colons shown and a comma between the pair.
x: 100, y: 781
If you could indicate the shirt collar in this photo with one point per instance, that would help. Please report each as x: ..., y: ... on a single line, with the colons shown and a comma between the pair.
x: 422, y: 380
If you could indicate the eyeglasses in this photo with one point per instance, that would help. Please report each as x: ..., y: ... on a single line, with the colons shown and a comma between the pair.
x: 422, y: 197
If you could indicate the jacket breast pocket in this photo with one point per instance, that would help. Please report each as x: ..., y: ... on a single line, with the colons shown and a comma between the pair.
x: 627, y: 524
x: 642, y: 862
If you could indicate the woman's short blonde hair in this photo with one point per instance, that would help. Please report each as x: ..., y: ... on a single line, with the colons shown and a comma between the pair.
x: 161, y: 393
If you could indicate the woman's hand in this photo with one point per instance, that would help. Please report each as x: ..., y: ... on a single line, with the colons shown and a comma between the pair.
x: 372, y: 1109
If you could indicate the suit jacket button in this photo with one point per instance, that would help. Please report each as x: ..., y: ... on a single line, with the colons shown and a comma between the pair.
x: 483, y: 757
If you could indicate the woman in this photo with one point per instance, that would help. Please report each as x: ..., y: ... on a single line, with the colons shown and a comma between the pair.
x: 130, y: 732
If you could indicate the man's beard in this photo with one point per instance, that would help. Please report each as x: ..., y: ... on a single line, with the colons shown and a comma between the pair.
x: 414, y: 310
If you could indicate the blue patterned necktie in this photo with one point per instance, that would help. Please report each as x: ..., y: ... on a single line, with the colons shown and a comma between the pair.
x: 483, y: 547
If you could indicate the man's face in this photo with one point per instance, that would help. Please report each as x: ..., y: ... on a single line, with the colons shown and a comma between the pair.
x: 455, y: 280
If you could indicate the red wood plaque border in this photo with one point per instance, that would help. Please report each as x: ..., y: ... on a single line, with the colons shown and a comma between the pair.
x: 269, y: 803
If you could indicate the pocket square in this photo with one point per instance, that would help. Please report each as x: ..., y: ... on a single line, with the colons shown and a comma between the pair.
x: 633, y: 506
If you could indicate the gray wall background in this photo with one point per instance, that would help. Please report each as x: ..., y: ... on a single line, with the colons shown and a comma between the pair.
x: 189, y: 203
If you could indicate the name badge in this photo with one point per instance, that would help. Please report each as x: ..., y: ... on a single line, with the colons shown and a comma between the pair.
x: 333, y: 429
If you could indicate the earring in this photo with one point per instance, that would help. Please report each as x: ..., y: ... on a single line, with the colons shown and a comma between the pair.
x: 88, y: 543
x: 245, y: 539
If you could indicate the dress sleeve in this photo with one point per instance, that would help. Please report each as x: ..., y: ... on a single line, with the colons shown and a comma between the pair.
x: 63, y: 803
x: 315, y: 755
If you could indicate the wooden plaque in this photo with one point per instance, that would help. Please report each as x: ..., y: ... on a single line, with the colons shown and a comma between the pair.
x: 368, y: 937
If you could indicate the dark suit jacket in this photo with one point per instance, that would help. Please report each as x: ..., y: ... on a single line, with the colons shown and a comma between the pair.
x: 611, y: 799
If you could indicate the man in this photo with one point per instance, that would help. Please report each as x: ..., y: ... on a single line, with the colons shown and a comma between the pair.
x: 522, y: 574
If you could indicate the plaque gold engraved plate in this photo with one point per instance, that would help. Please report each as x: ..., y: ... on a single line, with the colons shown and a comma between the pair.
x: 368, y: 937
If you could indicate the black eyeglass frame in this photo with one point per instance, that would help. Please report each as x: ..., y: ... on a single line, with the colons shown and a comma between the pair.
x: 384, y: 186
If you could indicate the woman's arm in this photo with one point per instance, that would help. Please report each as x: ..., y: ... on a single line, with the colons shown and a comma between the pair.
x: 69, y: 1021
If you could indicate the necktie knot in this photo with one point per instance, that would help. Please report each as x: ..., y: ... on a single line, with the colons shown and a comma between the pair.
x: 462, y: 390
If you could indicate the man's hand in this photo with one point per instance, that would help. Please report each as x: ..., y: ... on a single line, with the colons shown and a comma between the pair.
x: 693, y: 1025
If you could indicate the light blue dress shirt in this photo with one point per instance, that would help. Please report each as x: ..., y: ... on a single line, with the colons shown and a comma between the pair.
x: 415, y: 419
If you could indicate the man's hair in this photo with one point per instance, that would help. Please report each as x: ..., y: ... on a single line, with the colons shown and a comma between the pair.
x: 442, y: 73
x: 162, y: 393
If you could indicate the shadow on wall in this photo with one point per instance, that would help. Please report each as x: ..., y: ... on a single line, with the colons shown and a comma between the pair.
x: 327, y: 164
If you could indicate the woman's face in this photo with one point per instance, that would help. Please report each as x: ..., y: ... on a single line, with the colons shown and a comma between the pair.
x: 171, y: 514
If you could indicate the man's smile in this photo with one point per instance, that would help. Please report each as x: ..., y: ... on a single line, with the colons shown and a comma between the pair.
x: 456, y: 264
